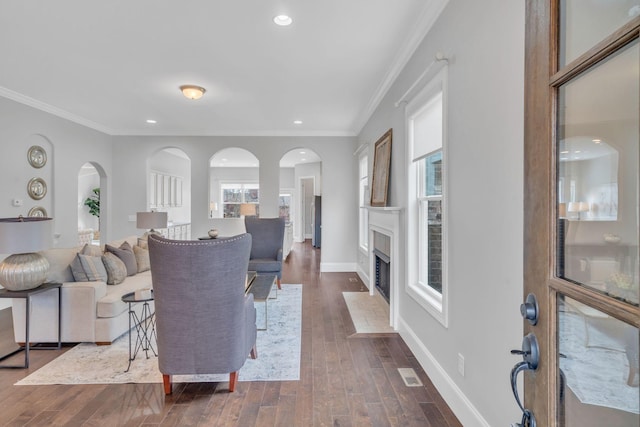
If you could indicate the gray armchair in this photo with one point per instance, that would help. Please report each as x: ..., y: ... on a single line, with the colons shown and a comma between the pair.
x: 204, y: 321
x: 266, y: 248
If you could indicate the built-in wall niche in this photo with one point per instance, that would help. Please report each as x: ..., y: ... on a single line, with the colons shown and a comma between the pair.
x: 165, y: 191
x: 588, y: 180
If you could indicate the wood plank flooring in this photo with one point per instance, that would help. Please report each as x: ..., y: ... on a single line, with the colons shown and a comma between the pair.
x: 344, y: 380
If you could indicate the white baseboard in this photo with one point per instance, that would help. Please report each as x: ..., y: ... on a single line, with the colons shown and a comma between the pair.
x: 337, y: 267
x: 461, y: 406
x: 363, y: 276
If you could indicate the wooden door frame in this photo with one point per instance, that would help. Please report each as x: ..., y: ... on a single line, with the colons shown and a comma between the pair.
x: 538, y: 196
x: 542, y: 79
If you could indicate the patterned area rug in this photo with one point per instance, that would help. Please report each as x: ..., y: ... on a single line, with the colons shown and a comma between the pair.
x: 278, y: 354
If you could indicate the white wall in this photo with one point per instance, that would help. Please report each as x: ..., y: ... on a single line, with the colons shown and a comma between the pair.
x: 69, y: 146
x: 168, y: 163
x: 485, y: 44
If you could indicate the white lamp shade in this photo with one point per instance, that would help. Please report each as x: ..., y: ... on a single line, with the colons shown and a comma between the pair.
x: 25, y: 235
x: 150, y: 220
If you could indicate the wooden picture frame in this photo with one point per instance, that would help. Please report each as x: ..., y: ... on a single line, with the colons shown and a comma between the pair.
x: 381, y: 169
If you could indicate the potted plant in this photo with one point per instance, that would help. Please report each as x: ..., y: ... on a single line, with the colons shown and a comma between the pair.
x: 93, y: 202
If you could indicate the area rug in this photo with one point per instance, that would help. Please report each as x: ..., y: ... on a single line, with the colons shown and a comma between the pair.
x: 278, y: 354
x: 596, y: 374
x: 369, y: 313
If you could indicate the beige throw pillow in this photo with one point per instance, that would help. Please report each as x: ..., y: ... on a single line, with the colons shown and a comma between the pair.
x: 142, y: 258
x: 125, y: 253
x: 116, y: 270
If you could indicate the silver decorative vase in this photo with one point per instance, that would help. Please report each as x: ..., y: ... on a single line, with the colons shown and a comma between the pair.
x: 21, y: 272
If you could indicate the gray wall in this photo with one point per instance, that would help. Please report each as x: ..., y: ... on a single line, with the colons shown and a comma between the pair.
x: 340, y: 219
x: 485, y: 44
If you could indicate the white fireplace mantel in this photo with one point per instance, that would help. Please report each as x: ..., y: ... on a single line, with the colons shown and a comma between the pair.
x: 386, y: 220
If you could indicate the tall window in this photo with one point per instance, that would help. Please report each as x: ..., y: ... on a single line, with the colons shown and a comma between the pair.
x: 233, y: 195
x: 427, y: 261
x: 364, y: 200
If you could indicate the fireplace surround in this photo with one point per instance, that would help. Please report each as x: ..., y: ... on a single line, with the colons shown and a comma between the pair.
x: 385, y: 221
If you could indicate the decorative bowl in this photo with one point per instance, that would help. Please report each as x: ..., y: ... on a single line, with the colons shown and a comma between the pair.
x: 213, y: 233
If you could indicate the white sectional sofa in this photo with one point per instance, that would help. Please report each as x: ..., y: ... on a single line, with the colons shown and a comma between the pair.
x: 91, y: 311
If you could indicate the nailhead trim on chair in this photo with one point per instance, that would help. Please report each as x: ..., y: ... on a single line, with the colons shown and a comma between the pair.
x: 210, y: 242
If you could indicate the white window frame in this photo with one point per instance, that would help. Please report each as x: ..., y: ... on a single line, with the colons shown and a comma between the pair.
x: 242, y: 185
x: 435, y: 303
x: 363, y: 190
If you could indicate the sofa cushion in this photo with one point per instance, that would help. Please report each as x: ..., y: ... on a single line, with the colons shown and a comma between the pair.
x: 116, y: 270
x: 59, y: 264
x: 142, y: 258
x: 93, y: 267
x: 111, y: 304
x: 125, y: 253
x: 77, y: 270
x: 92, y: 250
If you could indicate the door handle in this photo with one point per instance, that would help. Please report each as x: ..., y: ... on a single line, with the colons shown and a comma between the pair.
x: 530, y: 353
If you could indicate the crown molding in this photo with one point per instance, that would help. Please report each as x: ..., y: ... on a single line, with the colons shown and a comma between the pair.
x: 42, y: 106
x: 270, y: 133
x: 428, y: 17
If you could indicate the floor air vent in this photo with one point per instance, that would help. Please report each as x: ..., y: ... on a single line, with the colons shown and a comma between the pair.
x: 410, y: 377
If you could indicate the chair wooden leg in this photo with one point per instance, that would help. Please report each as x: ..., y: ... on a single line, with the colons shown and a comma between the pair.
x: 166, y: 380
x: 254, y: 352
x: 279, y: 283
x: 233, y: 381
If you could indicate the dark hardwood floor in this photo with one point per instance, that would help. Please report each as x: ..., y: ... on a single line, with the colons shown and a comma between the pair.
x: 343, y: 381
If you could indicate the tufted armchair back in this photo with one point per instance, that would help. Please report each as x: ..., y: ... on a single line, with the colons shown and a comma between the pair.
x: 204, y: 321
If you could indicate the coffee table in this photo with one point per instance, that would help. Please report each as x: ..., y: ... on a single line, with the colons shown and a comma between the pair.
x: 145, y: 326
x: 260, y: 287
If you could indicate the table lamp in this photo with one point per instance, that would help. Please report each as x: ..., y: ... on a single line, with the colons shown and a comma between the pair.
x: 151, y: 220
x: 23, y: 237
x: 248, y: 209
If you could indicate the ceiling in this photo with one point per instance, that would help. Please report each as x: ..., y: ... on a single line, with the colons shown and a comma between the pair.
x: 112, y: 65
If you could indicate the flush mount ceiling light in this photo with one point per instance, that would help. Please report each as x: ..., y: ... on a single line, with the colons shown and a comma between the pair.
x: 283, y: 20
x: 192, y: 91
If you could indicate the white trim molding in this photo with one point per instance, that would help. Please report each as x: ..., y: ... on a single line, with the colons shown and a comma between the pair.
x: 459, y: 403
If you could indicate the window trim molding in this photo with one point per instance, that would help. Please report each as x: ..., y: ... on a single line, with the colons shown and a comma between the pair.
x: 436, y: 304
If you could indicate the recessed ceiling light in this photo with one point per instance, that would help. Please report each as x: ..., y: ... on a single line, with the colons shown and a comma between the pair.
x: 297, y: 122
x: 151, y: 121
x: 597, y: 141
x: 303, y: 152
x: 577, y: 151
x: 283, y: 20
x: 224, y: 160
x: 564, y: 152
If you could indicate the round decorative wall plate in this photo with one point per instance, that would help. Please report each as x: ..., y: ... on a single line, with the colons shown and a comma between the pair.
x: 38, y: 211
x: 37, y: 156
x: 37, y: 188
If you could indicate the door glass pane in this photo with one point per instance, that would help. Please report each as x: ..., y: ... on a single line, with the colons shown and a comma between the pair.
x: 598, y: 177
x: 584, y: 23
x: 598, y: 359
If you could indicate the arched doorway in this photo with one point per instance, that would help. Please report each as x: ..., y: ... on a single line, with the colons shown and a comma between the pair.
x: 234, y: 184
x: 89, y: 209
x: 169, y: 190
x: 301, y: 185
